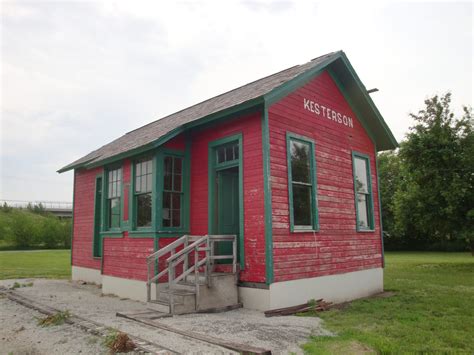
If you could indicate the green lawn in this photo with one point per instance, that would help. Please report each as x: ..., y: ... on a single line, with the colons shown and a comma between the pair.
x: 432, y: 309
x: 39, y: 263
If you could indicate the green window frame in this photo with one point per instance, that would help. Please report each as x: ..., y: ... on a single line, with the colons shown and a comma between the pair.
x: 172, y: 192
x: 98, y: 210
x: 363, y: 195
x: 143, y: 192
x: 113, y: 199
x: 302, y: 183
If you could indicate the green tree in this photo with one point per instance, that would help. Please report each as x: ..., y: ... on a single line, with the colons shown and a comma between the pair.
x: 435, y: 196
x: 389, y: 168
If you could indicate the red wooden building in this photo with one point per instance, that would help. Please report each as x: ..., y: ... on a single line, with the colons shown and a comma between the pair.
x: 286, y: 164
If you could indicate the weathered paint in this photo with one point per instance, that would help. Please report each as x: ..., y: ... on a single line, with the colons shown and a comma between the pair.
x: 275, y: 253
x: 83, y: 228
x: 337, y: 247
x: 250, y: 128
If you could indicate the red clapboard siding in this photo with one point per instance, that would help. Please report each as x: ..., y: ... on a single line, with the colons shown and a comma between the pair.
x: 254, y: 243
x: 337, y: 247
x: 126, y: 257
x: 83, y: 230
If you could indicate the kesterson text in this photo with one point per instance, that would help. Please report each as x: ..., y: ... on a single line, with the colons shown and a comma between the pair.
x: 328, y: 113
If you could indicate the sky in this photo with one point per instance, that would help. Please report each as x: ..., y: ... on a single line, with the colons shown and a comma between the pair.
x: 76, y: 75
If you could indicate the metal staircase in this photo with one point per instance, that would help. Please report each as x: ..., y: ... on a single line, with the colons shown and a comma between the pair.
x: 183, y: 275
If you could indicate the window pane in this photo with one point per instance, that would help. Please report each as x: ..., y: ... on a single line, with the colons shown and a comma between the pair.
x: 362, y: 208
x: 138, y: 184
x: 166, y: 209
x: 229, y: 153
x: 148, y: 183
x: 220, y: 155
x: 176, y: 221
x: 300, y: 166
x: 178, y: 165
x: 360, y: 167
x: 176, y: 201
x: 167, y: 182
x: 144, y: 210
x: 302, y: 205
x: 177, y: 183
x: 168, y: 165
x: 149, y: 166
x: 236, y: 151
x: 114, y: 213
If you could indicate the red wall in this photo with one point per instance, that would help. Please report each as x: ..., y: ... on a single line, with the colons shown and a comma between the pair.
x: 83, y: 228
x: 254, y: 242
x: 337, y: 247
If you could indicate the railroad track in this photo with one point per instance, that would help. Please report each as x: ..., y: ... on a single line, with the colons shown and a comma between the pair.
x: 142, y: 346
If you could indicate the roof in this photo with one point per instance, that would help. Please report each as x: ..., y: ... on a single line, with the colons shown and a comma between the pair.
x: 157, y: 132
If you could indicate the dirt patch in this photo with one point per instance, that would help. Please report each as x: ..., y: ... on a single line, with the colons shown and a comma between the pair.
x: 350, y: 347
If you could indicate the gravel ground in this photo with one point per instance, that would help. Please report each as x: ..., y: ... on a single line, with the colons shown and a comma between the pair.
x: 20, y: 334
x: 280, y: 334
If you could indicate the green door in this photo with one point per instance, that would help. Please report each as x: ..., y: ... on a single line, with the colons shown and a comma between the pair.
x: 227, y: 207
x: 97, y: 212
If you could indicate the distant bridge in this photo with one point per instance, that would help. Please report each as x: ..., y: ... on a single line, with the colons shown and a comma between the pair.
x: 58, y: 208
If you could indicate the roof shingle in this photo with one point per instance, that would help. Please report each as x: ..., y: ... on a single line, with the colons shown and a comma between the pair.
x: 157, y: 129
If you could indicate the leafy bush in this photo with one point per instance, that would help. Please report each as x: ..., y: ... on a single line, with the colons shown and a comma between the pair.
x: 33, y: 228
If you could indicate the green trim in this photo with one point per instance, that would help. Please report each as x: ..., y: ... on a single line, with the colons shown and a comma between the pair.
x: 347, y: 97
x: 153, y: 234
x: 105, y: 208
x: 281, y: 91
x: 314, y: 203
x: 113, y: 233
x: 334, y: 60
x: 212, y: 168
x: 97, y: 244
x: 380, y: 208
x: 234, y: 110
x: 370, y: 216
x: 162, y: 153
x: 132, y: 201
x: 367, y: 97
x: 267, y: 197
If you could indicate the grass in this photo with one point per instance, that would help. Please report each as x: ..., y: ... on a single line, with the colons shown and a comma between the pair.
x: 54, y: 319
x: 39, y: 263
x: 432, y: 310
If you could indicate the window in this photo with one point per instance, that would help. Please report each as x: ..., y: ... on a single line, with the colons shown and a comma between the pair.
x: 143, y: 192
x: 227, y: 153
x: 172, y: 192
x: 363, y: 192
x: 301, y: 183
x: 114, y: 189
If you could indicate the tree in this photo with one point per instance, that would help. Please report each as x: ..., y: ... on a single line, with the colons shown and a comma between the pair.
x: 435, y: 196
x: 389, y: 169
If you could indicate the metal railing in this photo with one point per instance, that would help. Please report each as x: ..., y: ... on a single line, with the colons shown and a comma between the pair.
x: 47, y: 205
x: 178, y: 266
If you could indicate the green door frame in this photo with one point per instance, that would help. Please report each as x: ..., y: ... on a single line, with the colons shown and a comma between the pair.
x: 213, y: 167
x: 98, y: 200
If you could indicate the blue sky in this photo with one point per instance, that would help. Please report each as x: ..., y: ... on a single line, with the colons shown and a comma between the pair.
x: 76, y: 75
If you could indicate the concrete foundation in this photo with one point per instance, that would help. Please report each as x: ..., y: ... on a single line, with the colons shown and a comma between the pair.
x: 334, y: 288
x: 79, y: 273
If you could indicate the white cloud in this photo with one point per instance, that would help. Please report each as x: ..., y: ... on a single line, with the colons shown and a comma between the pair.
x: 76, y: 75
